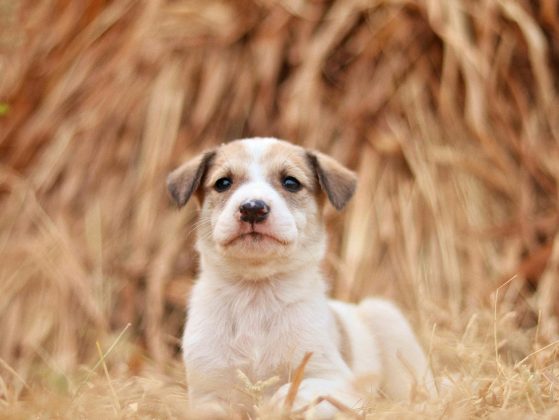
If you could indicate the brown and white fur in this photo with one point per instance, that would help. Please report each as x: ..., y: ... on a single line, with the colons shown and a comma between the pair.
x: 260, y: 303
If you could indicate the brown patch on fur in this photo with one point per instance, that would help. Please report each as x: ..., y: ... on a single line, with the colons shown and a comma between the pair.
x: 336, y: 181
x: 230, y: 160
x: 185, y: 180
x: 284, y: 159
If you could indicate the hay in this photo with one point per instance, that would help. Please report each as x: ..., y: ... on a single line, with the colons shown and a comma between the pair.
x: 447, y: 110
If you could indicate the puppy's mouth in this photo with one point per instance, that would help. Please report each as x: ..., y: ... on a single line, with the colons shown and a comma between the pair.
x: 254, y: 237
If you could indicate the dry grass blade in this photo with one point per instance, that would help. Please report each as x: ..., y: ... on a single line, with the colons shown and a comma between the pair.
x: 342, y: 408
x: 116, y: 404
x: 554, y: 380
x: 298, y: 376
x: 102, y: 358
x: 495, y: 323
x: 550, y: 345
x: 13, y: 372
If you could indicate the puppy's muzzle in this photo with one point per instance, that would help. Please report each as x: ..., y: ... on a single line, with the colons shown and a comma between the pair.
x: 254, y: 211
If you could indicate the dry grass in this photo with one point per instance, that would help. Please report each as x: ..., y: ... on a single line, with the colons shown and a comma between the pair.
x: 448, y: 110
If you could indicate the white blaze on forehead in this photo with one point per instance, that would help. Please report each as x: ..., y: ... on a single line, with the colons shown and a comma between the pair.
x: 258, y: 145
x: 256, y: 148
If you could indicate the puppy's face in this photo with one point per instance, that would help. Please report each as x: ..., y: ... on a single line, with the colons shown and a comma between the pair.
x: 261, y: 202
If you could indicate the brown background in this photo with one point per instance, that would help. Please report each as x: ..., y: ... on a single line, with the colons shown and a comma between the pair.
x: 448, y: 111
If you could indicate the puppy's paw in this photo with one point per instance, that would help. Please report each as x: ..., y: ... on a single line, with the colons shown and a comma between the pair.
x: 312, y: 400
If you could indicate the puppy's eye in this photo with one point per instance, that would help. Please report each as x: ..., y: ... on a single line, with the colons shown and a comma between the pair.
x: 223, y: 184
x: 291, y: 184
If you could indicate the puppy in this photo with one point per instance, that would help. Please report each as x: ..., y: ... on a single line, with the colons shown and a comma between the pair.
x: 260, y: 303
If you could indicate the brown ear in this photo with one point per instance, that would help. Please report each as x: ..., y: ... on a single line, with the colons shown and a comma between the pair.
x: 186, y: 179
x: 336, y: 181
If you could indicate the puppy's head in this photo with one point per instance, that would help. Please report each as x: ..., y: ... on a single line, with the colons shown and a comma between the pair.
x: 261, y: 204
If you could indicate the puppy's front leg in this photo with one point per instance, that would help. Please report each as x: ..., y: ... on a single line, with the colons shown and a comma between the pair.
x: 311, y: 389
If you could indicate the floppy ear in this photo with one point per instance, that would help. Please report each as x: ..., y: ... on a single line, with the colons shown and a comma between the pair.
x: 186, y: 179
x: 336, y: 181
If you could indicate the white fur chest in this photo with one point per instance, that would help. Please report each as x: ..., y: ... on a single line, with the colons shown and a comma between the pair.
x: 256, y: 328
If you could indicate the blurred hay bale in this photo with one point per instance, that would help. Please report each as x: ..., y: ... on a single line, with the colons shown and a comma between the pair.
x: 447, y: 110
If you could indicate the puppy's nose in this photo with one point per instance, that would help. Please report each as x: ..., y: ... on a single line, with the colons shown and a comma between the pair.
x: 254, y: 211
